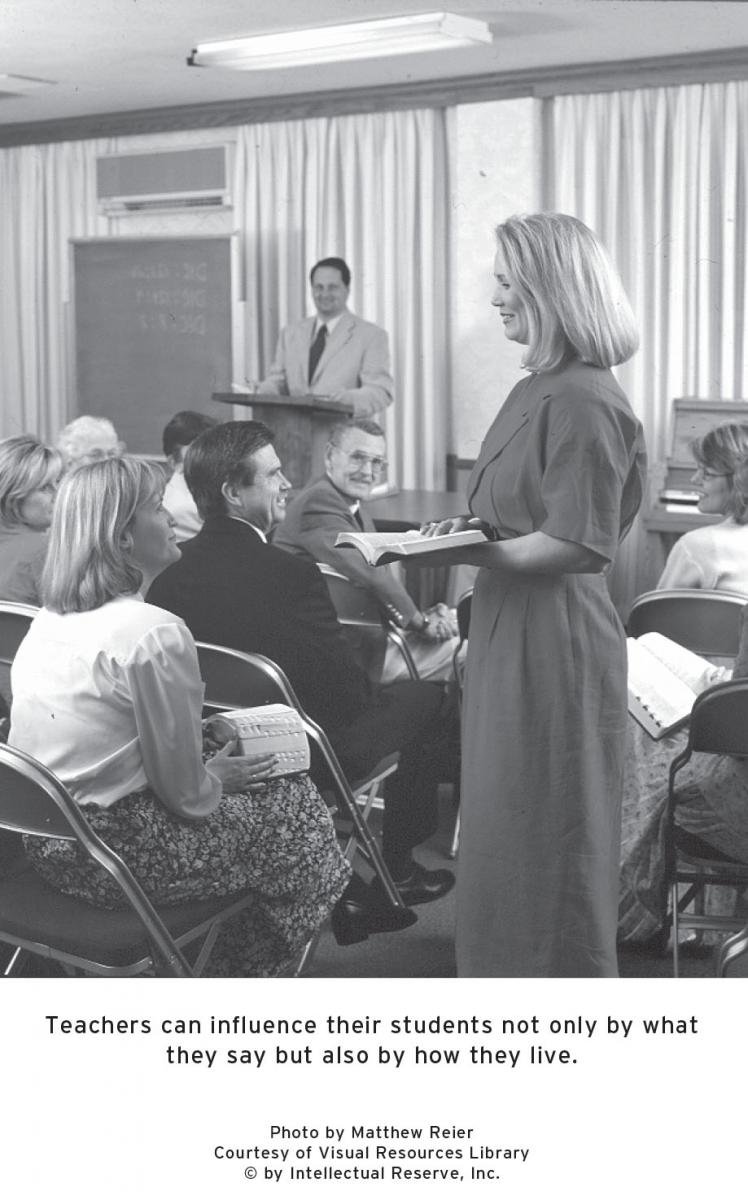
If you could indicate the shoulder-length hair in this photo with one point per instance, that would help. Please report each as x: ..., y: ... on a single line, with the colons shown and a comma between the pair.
x: 88, y: 558
x: 724, y: 450
x: 575, y: 302
x: 26, y: 465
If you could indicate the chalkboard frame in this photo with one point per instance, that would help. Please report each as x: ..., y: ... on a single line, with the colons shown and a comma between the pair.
x: 150, y: 445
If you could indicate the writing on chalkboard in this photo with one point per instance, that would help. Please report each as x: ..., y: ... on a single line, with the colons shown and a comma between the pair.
x: 186, y: 270
x: 153, y: 325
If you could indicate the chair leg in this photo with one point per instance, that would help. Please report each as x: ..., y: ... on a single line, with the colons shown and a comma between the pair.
x: 675, y: 929
x: 15, y: 962
x: 732, y: 947
x: 455, y: 837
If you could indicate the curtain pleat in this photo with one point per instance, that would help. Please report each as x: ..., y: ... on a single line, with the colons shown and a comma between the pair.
x: 661, y: 174
x: 48, y: 197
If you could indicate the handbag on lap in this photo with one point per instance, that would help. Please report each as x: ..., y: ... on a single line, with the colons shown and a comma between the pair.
x: 267, y: 729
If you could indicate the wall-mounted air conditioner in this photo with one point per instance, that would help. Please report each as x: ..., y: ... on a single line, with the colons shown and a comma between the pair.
x: 163, y: 180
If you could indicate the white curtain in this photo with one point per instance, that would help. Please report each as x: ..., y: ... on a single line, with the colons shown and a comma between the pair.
x: 371, y: 189
x: 661, y: 174
x: 47, y: 196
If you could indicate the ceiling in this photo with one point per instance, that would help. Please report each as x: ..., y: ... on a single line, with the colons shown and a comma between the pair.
x: 114, y: 56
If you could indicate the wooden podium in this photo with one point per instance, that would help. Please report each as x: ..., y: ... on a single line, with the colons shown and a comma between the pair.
x: 301, y: 425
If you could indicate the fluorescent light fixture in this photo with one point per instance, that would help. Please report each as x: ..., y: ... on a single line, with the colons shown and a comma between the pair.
x: 343, y: 43
x: 21, y: 84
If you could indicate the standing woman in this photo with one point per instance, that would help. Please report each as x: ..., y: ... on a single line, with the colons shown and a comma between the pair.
x: 558, y: 481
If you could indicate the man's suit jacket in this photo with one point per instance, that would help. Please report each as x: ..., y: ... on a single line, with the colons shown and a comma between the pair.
x: 356, y: 360
x: 314, y: 518
x: 233, y: 589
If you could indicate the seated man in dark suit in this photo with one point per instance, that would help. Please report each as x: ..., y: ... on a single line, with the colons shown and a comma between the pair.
x: 234, y: 589
x: 354, y: 460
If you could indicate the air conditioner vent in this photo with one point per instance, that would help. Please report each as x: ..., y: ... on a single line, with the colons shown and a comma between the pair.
x: 165, y: 180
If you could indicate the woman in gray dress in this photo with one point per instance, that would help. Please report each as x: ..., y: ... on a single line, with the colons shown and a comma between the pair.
x: 557, y: 484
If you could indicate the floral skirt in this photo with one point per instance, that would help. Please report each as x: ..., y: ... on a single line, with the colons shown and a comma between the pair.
x: 278, y: 842
x: 712, y: 803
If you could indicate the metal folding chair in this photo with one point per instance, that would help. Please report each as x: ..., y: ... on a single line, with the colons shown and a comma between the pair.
x: 704, y: 621
x: 359, y: 610
x: 234, y: 679
x: 464, y: 605
x: 718, y: 725
x: 35, y: 918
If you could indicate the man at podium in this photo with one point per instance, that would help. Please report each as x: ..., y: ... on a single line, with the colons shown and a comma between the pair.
x: 335, y: 354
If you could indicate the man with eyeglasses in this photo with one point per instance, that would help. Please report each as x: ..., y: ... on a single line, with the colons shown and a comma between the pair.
x: 355, y: 461
x: 335, y: 354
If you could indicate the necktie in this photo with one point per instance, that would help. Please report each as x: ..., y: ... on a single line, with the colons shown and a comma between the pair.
x: 316, y: 349
x: 358, y: 519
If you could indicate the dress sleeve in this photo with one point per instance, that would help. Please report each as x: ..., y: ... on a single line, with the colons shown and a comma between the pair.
x: 682, y: 569
x: 590, y: 453
x: 167, y: 696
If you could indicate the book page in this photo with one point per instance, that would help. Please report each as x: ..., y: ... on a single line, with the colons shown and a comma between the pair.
x: 687, y: 666
x: 656, y: 688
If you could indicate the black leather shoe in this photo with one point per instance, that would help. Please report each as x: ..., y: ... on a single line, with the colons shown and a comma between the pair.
x: 422, y: 886
x: 353, y: 920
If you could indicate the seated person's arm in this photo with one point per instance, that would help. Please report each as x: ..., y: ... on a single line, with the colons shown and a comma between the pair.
x: 376, y: 388
x: 167, y: 696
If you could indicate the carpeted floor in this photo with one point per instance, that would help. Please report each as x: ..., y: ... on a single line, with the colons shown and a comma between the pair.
x: 426, y: 950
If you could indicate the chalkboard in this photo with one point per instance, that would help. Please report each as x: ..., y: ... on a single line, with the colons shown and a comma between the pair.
x: 152, y: 330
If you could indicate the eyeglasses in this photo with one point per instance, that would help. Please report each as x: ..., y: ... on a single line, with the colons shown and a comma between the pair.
x: 358, y: 459
x: 706, y: 474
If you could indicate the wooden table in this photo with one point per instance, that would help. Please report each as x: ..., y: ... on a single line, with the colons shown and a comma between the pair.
x: 409, y: 508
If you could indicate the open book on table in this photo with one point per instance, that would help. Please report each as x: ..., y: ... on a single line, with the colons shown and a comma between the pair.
x: 387, y: 547
x: 664, y: 679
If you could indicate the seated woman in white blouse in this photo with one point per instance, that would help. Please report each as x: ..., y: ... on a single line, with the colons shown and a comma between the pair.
x: 715, y: 556
x: 107, y: 693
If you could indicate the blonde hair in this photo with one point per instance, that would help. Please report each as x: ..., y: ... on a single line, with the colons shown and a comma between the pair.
x: 26, y: 465
x: 87, y: 439
x: 724, y: 450
x: 88, y: 562
x: 574, y: 299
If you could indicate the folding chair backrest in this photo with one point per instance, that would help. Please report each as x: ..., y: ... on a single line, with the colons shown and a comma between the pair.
x: 719, y: 719
x: 14, y: 623
x: 236, y: 680
x: 707, y: 622
x: 367, y: 624
x: 354, y: 605
x: 32, y: 800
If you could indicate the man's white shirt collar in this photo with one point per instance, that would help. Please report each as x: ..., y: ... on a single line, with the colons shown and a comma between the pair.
x: 262, y: 536
x: 331, y: 325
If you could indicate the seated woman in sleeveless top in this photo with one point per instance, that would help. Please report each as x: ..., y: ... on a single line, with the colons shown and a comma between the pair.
x: 107, y: 693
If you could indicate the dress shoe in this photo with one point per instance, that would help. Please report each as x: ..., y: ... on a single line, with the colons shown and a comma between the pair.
x: 353, y: 920
x: 422, y: 886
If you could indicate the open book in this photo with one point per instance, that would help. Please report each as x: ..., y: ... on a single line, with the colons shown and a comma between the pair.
x: 387, y: 547
x: 664, y: 679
